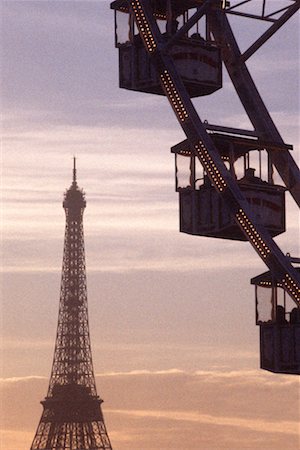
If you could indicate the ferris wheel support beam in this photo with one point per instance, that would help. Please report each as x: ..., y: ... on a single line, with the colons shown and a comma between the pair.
x: 264, y: 37
x: 253, y: 103
x: 208, y: 155
x: 188, y: 25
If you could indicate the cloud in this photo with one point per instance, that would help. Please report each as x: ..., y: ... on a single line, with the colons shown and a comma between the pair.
x: 285, y: 427
x: 236, y: 377
x: 144, y: 407
x: 141, y: 373
x: 4, y: 381
x: 143, y: 246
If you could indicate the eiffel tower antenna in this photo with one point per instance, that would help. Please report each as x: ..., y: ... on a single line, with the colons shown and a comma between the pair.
x: 74, y: 170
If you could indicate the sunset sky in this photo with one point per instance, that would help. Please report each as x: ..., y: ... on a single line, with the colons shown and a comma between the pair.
x: 172, y: 319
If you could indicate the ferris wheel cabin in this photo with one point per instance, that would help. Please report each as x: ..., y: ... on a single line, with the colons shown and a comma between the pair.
x: 195, y: 55
x: 279, y: 322
x: 203, y: 212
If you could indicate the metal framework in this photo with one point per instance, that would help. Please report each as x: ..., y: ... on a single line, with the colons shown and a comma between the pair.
x: 72, y: 418
x: 200, y: 141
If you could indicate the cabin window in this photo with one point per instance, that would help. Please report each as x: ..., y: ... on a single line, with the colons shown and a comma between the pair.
x: 184, y: 172
x: 264, y: 304
x: 123, y: 28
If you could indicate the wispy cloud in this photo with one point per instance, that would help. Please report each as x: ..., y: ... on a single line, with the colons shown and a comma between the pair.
x: 29, y: 378
x: 141, y: 373
x: 240, y: 405
x: 261, y: 426
x: 237, y: 377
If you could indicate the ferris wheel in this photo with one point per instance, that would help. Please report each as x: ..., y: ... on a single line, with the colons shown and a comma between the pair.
x: 224, y: 175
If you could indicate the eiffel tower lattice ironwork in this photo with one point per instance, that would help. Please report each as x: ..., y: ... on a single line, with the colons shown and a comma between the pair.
x: 72, y: 418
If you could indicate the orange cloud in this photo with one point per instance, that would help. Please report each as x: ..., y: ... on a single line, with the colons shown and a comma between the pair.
x: 261, y: 426
x: 160, y: 409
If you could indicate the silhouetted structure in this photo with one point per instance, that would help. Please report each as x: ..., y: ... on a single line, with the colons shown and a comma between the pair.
x: 161, y: 51
x: 72, y: 418
x: 279, y: 323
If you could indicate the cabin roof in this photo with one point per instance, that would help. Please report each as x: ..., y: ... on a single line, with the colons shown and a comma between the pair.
x: 160, y: 6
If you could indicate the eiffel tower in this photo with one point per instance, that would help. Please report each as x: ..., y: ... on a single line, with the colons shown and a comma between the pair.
x: 72, y: 418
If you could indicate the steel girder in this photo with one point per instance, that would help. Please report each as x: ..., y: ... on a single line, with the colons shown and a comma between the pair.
x: 253, y: 103
x: 205, y: 150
